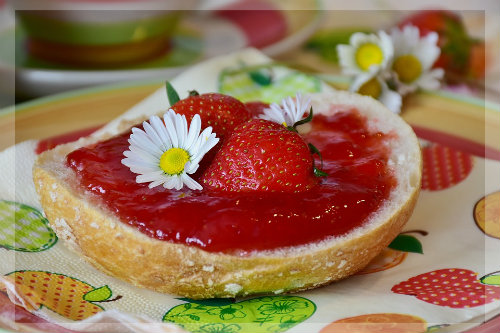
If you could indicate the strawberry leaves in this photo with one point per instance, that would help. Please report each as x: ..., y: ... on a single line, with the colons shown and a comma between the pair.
x: 173, y: 96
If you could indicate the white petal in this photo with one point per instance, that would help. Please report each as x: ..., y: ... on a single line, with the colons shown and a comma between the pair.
x: 158, y: 125
x: 169, y: 119
x: 392, y: 100
x: 149, y: 177
x: 387, y: 49
x: 137, y: 153
x: 431, y: 80
x: 428, y: 51
x: 347, y: 61
x: 156, y: 183
x: 274, y: 113
x: 191, y: 168
x: 177, y: 182
x: 170, y: 182
x: 153, y: 136
x: 194, y: 131
x: 142, y: 140
x: 137, y: 166
x: 191, y: 183
x: 181, y: 128
x: 209, y: 140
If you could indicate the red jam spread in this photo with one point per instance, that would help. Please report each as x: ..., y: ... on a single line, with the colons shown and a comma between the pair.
x: 358, y: 182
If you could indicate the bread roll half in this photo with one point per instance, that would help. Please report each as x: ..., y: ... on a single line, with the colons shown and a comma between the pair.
x: 121, y: 251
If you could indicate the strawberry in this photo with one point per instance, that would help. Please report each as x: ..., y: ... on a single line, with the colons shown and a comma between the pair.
x: 477, y: 60
x: 262, y: 155
x: 222, y: 112
x: 452, y: 287
x: 256, y: 108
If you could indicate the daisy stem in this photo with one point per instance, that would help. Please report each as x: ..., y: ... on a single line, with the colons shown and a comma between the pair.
x: 305, y: 120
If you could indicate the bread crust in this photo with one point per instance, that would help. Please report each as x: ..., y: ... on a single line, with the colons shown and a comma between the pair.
x: 121, y: 251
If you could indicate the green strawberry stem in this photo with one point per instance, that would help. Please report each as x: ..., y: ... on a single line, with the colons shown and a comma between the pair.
x: 317, y: 172
x: 312, y: 148
x: 173, y: 96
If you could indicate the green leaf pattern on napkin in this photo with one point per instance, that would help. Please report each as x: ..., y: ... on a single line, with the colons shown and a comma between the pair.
x: 23, y: 228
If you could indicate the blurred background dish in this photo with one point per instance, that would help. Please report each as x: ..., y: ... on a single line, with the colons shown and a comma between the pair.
x: 60, y: 50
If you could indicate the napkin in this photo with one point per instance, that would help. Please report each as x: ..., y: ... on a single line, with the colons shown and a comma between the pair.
x: 431, y: 279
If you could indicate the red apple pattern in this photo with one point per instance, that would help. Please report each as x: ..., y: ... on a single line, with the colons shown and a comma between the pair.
x: 443, y: 167
x: 450, y: 287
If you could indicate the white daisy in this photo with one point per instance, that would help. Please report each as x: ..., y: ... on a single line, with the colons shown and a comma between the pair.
x: 376, y: 87
x: 167, y: 151
x: 414, y: 58
x: 366, y: 53
x: 290, y: 111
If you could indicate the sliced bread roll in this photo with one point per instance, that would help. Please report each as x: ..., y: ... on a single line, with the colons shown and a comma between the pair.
x: 120, y: 250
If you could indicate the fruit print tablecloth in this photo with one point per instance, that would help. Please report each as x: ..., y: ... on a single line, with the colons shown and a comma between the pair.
x: 443, y: 269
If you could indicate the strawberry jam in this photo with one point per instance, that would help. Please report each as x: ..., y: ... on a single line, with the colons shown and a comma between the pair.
x: 358, y: 182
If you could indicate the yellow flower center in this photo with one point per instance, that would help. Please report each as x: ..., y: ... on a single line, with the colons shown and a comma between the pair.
x: 408, y: 68
x: 371, y: 88
x: 369, y: 54
x: 173, y: 161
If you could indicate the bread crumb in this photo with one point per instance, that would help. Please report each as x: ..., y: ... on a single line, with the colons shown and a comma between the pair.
x: 208, y: 268
x: 189, y: 263
x: 54, y: 186
x: 339, y: 253
x: 295, y: 271
x: 210, y: 282
x: 330, y: 264
x: 342, y: 263
x: 53, y: 196
x: 232, y: 288
x: 94, y: 225
x: 279, y: 291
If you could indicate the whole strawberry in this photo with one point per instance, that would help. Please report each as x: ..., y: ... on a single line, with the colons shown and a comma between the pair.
x: 451, y: 287
x: 261, y: 155
x: 222, y: 112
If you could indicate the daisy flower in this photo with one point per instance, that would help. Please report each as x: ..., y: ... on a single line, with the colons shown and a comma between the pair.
x: 290, y: 111
x: 374, y: 86
x: 413, y: 60
x: 167, y: 152
x: 366, y: 53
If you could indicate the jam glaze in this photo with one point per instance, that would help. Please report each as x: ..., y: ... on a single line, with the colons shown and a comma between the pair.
x: 358, y: 182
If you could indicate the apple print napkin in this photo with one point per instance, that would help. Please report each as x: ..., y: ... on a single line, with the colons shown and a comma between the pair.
x: 440, y: 273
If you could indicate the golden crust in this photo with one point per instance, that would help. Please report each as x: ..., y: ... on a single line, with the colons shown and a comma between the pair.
x: 123, y: 252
